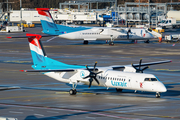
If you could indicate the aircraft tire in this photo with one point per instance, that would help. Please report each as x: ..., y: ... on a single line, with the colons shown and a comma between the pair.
x: 147, y: 41
x: 119, y: 90
x: 111, y: 43
x: 158, y: 95
x: 85, y: 42
x: 72, y: 92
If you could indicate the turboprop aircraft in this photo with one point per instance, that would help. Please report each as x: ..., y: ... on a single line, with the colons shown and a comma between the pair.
x: 90, y: 33
x: 131, y: 77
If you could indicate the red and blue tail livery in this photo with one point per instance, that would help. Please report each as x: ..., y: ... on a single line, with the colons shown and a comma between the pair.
x: 132, y: 76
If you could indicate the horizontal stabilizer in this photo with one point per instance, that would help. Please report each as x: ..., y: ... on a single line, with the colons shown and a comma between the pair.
x: 27, y: 36
x: 60, y: 70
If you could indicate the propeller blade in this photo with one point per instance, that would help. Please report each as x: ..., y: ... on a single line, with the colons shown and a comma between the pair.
x: 99, y: 72
x: 88, y: 69
x: 140, y: 63
x: 90, y: 82
x: 86, y: 77
x: 96, y: 80
x: 95, y: 65
x: 145, y: 68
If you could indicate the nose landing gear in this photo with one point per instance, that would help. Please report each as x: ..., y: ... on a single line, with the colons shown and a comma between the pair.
x: 158, y: 95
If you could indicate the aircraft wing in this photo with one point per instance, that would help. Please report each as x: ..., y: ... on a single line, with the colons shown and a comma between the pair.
x: 142, y: 64
x: 152, y: 63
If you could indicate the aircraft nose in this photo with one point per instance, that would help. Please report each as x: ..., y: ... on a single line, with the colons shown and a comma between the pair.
x: 162, y: 88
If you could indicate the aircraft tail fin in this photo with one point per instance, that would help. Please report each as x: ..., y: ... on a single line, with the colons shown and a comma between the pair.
x: 40, y: 60
x: 48, y: 25
x: 37, y: 50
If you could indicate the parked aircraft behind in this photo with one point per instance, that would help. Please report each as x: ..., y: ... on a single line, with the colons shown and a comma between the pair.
x: 131, y: 77
x: 90, y: 33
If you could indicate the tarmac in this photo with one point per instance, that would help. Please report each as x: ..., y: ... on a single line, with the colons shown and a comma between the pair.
x: 33, y: 96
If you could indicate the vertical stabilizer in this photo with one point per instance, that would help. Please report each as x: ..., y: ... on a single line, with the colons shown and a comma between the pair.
x: 49, y: 27
x: 36, y: 48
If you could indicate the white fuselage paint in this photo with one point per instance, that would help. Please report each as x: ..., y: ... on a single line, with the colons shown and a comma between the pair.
x: 108, y: 33
x: 111, y: 78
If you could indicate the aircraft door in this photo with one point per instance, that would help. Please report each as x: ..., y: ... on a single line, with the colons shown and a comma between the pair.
x: 129, y: 82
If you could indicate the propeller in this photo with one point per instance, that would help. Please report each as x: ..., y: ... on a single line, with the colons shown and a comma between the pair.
x: 139, y: 70
x: 92, y: 75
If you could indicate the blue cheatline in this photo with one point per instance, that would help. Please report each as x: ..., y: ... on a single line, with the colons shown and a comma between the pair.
x: 55, y: 29
x: 43, y: 63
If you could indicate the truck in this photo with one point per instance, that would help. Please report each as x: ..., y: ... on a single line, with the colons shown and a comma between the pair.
x: 169, y: 23
x: 76, y: 17
x: 172, y: 38
x: 12, y: 29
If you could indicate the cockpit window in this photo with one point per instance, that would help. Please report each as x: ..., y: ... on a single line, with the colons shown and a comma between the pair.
x: 150, y: 79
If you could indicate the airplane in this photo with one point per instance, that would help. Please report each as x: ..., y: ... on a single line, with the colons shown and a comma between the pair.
x: 73, y: 32
x: 121, y: 77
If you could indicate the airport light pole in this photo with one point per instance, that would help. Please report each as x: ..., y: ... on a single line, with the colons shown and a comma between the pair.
x: 7, y: 5
x: 21, y: 13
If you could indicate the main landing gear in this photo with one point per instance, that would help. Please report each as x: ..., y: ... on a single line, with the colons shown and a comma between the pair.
x: 73, y: 90
x: 85, y: 42
x: 158, y: 95
x: 147, y: 41
x: 119, y: 90
x: 112, y: 41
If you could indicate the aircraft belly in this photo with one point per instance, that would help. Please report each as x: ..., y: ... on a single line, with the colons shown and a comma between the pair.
x: 71, y: 36
x: 57, y: 76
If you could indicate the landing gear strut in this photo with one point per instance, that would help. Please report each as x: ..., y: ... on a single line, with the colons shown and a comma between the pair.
x: 73, y: 90
x: 158, y: 95
x: 112, y: 41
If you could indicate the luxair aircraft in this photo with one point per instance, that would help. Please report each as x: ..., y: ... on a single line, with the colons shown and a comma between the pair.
x: 118, y: 76
x: 90, y: 33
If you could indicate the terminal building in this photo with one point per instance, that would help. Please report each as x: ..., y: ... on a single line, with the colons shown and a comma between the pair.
x: 128, y: 13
